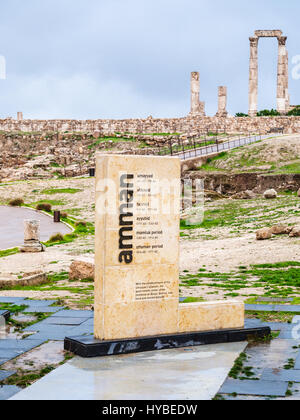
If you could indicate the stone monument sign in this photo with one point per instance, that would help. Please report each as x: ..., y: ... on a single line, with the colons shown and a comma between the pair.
x: 137, y: 254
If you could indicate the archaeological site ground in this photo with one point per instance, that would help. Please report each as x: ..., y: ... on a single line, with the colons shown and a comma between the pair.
x: 155, y: 258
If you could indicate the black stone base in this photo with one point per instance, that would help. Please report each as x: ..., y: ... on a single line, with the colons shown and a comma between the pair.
x: 88, y: 346
x: 6, y: 315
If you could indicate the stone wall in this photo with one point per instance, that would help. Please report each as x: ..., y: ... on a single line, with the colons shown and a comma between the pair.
x: 229, y: 184
x: 150, y: 125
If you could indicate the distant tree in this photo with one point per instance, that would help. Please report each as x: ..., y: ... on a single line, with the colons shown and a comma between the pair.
x: 295, y: 112
x: 268, y: 113
x: 241, y: 114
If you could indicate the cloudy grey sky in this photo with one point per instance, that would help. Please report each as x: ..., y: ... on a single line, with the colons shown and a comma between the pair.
x: 90, y: 59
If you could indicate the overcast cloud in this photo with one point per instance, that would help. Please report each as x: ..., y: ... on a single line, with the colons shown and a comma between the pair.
x: 90, y: 59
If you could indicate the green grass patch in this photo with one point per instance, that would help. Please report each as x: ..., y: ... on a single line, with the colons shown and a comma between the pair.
x: 13, y: 309
x: 53, y: 191
x: 193, y: 300
x: 8, y: 252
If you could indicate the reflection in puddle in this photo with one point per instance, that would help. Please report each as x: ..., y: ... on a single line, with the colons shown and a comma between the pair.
x: 7, y: 331
x: 2, y: 327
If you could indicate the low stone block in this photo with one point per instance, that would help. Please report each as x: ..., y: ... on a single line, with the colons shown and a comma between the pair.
x: 270, y: 194
x: 81, y: 269
x: 281, y: 230
x: 295, y: 232
x: 263, y: 234
x: 209, y: 316
x: 32, y: 247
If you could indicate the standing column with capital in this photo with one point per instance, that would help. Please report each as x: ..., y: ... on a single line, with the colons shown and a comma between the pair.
x: 253, y: 76
x: 282, y: 76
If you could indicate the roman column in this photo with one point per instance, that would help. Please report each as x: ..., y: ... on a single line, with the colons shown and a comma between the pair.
x: 287, y: 95
x: 222, y: 102
x: 197, y: 107
x: 282, y: 75
x: 253, y: 76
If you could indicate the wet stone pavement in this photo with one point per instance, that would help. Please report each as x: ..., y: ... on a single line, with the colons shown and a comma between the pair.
x: 58, y: 324
x: 267, y: 370
x: 270, y: 370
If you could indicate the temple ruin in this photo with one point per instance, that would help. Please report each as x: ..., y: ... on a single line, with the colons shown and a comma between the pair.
x: 283, y: 98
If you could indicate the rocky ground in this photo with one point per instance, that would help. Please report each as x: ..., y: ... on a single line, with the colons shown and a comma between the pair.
x: 219, y: 247
x: 220, y: 258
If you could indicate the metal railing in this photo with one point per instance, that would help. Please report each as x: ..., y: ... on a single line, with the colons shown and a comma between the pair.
x: 197, y: 146
x: 200, y: 146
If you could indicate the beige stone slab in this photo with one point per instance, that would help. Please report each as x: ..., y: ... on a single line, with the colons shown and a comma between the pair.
x: 156, y: 248
x: 136, y: 257
x: 140, y: 319
x: 149, y: 281
x: 209, y: 316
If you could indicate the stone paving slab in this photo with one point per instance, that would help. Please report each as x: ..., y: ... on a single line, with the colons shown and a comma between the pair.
x: 275, y: 326
x: 4, y: 374
x: 8, y: 391
x: 52, y: 332
x: 83, y: 329
x: 271, y: 354
x: 75, y: 314
x: 281, y: 375
x: 297, y: 364
x: 287, y: 308
x: 10, y: 349
x: 12, y: 300
x: 288, y: 333
x: 260, y: 308
x: 10, y: 354
x: 42, y: 309
x: 273, y: 308
x: 60, y: 330
x: 274, y: 300
x: 10, y: 343
x: 39, y: 303
x: 55, y: 320
x: 263, y: 388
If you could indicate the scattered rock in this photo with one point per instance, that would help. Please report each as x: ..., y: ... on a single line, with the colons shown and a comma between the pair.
x: 298, y: 193
x: 262, y: 234
x: 295, y: 232
x: 281, y: 230
x: 270, y: 194
x: 28, y: 279
x: 244, y: 195
x: 82, y: 269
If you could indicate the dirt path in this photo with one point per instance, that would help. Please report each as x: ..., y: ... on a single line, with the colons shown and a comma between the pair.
x: 225, y: 255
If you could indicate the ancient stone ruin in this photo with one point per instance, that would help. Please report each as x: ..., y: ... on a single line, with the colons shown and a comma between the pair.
x: 197, y: 107
x: 283, y: 98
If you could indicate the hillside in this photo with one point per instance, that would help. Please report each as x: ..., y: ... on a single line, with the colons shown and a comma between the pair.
x: 275, y: 155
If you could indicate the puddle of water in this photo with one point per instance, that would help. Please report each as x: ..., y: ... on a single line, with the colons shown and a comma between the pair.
x: 2, y: 326
x: 24, y: 318
x: 7, y: 332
